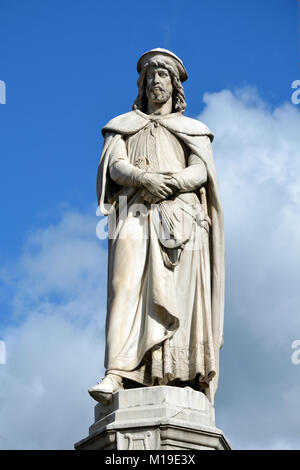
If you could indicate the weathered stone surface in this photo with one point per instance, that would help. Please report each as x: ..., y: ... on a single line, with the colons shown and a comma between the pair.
x: 155, y: 418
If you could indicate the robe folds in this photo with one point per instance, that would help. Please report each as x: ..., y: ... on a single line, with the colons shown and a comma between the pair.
x: 165, y: 305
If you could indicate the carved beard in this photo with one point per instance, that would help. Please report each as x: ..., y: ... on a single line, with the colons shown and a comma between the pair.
x: 158, y: 94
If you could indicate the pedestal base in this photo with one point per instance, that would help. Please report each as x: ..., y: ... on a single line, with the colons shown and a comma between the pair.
x: 155, y: 418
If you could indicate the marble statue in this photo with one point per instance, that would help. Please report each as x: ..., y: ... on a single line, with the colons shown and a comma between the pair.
x: 165, y: 299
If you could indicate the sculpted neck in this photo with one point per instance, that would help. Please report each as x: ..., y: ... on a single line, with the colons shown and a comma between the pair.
x: 160, y: 108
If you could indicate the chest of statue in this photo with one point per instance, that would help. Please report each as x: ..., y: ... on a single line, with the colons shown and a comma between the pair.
x: 156, y: 149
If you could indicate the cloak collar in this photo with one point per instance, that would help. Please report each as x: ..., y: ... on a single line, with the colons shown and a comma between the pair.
x: 132, y: 122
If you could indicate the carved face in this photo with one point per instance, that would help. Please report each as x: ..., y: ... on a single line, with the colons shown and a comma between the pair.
x: 159, y: 86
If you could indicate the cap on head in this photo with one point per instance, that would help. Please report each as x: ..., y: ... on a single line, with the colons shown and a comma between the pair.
x: 168, y: 56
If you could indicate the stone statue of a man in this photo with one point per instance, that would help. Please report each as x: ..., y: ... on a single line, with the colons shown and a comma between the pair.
x: 165, y: 300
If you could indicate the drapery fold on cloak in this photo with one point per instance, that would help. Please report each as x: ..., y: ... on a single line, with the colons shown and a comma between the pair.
x: 191, y: 132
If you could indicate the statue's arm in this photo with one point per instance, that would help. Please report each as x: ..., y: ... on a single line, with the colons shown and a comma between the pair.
x: 121, y: 170
x: 192, y: 177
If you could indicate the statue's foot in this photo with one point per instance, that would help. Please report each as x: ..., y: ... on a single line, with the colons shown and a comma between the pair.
x: 102, y: 392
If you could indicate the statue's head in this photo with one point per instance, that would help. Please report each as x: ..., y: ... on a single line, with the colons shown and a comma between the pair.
x: 161, y: 74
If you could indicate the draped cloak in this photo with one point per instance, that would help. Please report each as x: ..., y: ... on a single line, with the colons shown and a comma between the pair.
x: 163, y: 324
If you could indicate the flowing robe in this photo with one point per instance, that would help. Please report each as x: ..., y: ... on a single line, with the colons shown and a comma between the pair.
x: 164, y: 307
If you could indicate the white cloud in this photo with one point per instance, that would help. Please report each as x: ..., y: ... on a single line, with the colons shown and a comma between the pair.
x: 257, y: 152
x: 55, y: 343
x: 55, y: 350
x: 44, y: 400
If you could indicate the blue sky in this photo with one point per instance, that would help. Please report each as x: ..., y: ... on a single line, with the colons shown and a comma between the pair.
x: 69, y: 67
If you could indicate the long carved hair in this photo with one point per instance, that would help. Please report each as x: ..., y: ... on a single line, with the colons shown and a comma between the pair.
x: 141, y: 102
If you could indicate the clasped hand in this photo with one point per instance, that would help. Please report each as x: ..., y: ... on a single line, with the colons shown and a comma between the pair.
x: 160, y: 186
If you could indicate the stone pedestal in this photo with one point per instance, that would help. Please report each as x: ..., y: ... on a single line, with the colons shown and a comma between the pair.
x: 155, y: 418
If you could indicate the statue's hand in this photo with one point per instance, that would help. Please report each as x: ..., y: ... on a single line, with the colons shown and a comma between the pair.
x: 157, y: 184
x: 174, y: 184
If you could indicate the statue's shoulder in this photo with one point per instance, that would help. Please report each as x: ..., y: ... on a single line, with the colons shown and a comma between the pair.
x: 133, y: 121
x: 125, y: 124
x: 189, y: 126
